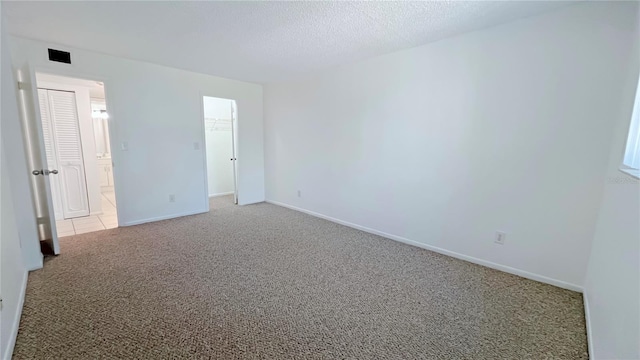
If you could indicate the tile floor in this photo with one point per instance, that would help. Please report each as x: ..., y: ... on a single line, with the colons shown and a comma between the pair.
x: 81, y: 225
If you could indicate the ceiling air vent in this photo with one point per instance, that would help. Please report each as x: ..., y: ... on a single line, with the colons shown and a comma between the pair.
x: 60, y: 56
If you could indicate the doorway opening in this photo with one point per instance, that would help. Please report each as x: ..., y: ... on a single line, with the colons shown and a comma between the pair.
x: 220, y: 125
x: 75, y: 130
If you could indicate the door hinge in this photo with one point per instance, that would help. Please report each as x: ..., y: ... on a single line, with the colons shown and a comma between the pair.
x: 20, y: 85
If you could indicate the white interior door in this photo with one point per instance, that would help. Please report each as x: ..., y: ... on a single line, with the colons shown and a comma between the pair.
x: 234, y: 124
x: 63, y: 147
x: 41, y: 172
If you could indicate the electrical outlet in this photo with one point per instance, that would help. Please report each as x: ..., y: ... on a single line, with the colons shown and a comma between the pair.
x: 172, y: 198
x: 500, y: 237
x: 124, y: 146
x: 299, y: 193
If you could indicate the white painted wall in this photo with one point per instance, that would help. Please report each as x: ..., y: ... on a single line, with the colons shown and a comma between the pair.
x: 17, y: 167
x: 219, y: 146
x: 100, y: 127
x: 157, y: 111
x: 507, y: 128
x: 83, y: 103
x: 13, y: 274
x: 612, y: 285
x: 216, y: 107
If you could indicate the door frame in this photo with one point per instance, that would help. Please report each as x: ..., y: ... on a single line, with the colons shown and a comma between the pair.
x: 113, y: 125
x: 83, y: 110
x: 236, y: 147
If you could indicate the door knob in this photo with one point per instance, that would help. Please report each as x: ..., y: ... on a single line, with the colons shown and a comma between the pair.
x: 47, y: 172
x: 37, y: 172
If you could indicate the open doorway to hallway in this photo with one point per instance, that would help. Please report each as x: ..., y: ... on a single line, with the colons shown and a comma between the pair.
x: 220, y: 124
x: 75, y: 128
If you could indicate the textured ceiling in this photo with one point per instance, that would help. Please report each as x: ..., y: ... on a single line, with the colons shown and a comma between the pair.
x: 255, y: 41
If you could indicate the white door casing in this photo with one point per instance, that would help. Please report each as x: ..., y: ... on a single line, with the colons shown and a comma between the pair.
x: 234, y: 141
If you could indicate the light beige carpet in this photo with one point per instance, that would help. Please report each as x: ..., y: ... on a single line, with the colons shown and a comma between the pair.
x: 261, y: 281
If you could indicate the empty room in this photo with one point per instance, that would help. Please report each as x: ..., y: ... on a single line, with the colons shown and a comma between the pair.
x: 320, y: 180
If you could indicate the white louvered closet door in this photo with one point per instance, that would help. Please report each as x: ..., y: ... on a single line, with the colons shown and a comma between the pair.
x: 65, y: 129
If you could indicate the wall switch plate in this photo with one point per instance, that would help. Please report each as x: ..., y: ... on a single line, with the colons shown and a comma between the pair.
x: 299, y: 193
x: 500, y: 237
x: 196, y: 146
x: 172, y: 198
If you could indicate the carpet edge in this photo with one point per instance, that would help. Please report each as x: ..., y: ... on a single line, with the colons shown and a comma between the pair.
x: 471, y: 259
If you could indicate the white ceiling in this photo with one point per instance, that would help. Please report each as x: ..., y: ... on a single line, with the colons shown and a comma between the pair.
x: 256, y: 41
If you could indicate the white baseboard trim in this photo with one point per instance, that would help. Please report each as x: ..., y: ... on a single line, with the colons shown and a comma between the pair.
x: 240, y: 203
x: 166, y: 217
x: 221, y: 194
x: 587, y: 319
x: 16, y: 321
x: 489, y: 264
